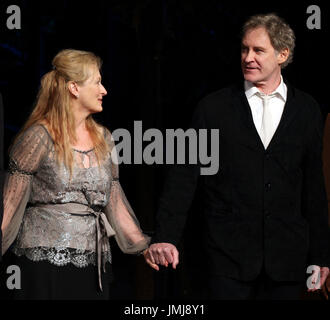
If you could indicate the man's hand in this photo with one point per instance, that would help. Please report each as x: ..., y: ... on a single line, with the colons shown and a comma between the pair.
x: 162, y: 254
x: 326, y: 288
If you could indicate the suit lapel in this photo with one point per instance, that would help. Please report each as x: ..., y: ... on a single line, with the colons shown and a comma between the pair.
x: 289, y: 112
x: 250, y: 135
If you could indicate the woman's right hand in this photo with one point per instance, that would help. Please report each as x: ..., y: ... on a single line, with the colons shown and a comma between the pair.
x: 148, y: 260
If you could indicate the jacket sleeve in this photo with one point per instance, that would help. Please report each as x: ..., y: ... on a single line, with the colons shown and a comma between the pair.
x: 25, y: 158
x: 178, y: 193
x: 129, y: 235
x: 315, y: 206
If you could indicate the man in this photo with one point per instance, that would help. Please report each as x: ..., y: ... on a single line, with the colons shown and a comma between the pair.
x: 266, y: 208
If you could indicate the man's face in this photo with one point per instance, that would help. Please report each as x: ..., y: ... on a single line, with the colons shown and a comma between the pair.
x: 260, y: 62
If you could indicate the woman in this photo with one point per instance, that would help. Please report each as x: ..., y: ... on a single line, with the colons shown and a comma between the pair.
x: 62, y: 165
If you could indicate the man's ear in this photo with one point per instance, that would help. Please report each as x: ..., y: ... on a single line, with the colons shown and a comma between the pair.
x: 73, y: 88
x: 283, y: 55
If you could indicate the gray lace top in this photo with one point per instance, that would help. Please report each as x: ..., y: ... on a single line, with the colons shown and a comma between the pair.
x: 63, y: 221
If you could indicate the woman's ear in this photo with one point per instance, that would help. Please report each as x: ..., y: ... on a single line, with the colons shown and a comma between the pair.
x: 73, y: 88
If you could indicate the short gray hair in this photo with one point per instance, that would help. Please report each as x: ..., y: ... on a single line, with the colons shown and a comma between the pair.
x: 280, y: 34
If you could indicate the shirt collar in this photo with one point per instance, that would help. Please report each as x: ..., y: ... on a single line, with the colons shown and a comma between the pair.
x: 251, y: 90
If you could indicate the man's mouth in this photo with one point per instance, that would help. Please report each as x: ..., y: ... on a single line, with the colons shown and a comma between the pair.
x: 250, y: 68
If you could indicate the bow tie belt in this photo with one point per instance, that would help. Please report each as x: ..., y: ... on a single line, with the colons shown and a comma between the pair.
x: 103, y: 227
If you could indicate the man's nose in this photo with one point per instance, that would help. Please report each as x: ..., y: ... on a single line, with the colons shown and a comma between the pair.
x: 249, y: 56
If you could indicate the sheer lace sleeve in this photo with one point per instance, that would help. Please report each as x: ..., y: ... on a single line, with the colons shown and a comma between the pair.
x: 129, y: 235
x: 24, y: 159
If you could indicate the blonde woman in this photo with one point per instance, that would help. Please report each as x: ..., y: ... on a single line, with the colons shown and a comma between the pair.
x: 62, y: 196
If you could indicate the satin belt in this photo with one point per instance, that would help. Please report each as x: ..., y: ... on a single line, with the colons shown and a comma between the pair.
x: 103, y: 227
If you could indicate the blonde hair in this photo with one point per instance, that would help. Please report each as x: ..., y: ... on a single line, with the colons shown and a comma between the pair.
x: 53, y: 104
x: 280, y: 34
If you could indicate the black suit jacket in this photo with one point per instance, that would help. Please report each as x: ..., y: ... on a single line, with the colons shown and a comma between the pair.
x: 263, y: 207
x: 1, y: 168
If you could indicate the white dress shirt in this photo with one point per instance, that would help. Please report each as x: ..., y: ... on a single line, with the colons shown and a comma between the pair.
x: 276, y: 103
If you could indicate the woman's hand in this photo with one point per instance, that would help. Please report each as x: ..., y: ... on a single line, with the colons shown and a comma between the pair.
x: 148, y: 260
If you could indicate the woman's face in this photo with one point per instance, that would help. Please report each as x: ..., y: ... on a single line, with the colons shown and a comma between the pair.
x: 91, y: 92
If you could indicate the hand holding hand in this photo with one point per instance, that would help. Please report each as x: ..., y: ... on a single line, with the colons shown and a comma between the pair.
x: 147, y: 258
x: 162, y: 254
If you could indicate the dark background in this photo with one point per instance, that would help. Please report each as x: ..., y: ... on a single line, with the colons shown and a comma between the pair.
x: 160, y: 58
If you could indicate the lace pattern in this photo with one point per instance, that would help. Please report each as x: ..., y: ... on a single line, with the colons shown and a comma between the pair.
x: 36, y: 178
x: 62, y: 256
